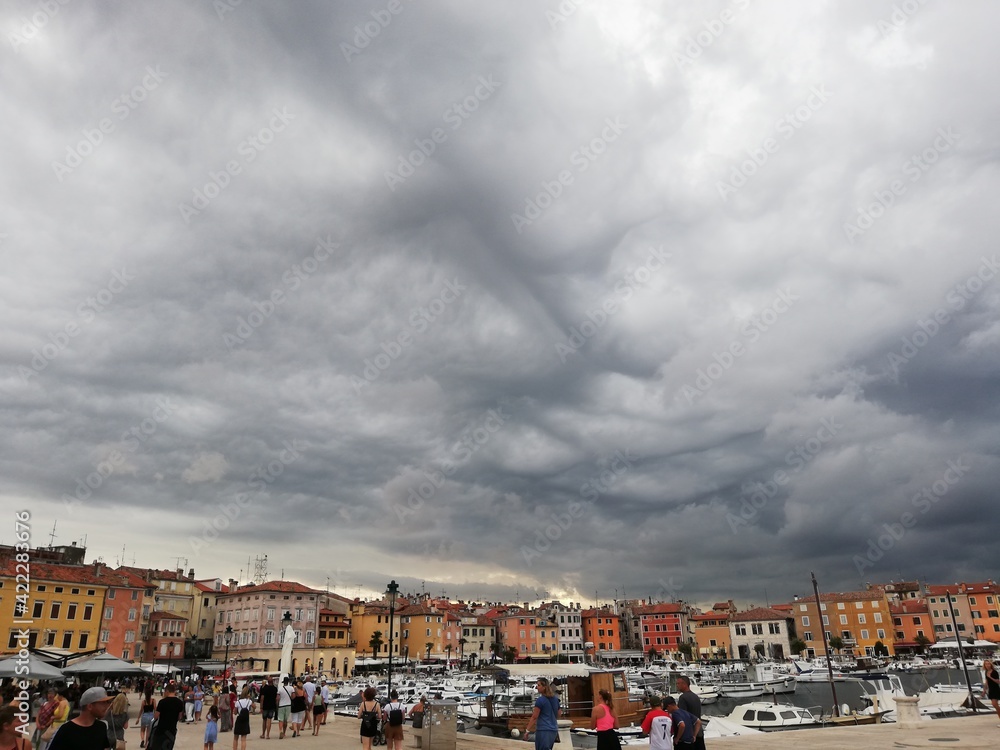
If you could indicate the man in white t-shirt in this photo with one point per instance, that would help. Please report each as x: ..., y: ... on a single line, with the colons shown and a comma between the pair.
x: 658, y: 725
x: 285, y: 693
x: 310, y: 688
x: 325, y: 692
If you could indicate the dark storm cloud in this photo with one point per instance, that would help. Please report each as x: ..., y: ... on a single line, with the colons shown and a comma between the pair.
x: 514, y: 301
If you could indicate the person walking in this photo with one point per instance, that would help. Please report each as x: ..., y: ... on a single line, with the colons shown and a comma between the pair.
x: 689, y: 701
x: 544, y: 716
x: 44, y: 719
x: 605, y: 721
x: 284, y: 707
x: 299, y: 706
x: 394, y: 713
x: 268, y: 707
x: 199, y: 700
x: 86, y: 731
x: 310, y: 687
x: 370, y: 714
x: 188, y: 705
x: 226, y: 710
x: 146, y: 711
x: 212, y: 728
x: 992, y: 684
x: 166, y: 716
x: 317, y: 711
x: 241, y: 726
x: 117, y: 720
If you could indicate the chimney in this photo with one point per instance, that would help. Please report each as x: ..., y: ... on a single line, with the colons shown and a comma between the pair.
x: 232, y: 585
x: 149, y: 576
x: 191, y: 574
x: 180, y: 572
x: 97, y: 569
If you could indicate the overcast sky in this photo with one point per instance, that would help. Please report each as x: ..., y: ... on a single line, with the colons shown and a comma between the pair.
x: 516, y: 299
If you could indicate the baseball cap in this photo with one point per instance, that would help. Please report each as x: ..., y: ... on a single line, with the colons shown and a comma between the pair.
x: 94, y: 695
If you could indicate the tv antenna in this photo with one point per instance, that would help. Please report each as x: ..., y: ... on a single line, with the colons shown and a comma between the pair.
x: 260, y: 569
x: 52, y: 534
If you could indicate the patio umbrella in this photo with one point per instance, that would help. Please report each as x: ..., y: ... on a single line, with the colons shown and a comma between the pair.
x: 37, y: 669
x: 104, y: 664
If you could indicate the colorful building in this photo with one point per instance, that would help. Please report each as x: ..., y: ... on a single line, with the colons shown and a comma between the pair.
x: 761, y: 633
x: 601, y: 631
x: 663, y: 627
x: 912, y: 622
x: 861, y: 619
x: 711, y: 631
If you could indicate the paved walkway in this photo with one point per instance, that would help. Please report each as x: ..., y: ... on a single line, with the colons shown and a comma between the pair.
x: 342, y: 732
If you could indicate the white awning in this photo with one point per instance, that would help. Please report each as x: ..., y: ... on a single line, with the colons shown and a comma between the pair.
x: 965, y: 644
x: 546, y: 670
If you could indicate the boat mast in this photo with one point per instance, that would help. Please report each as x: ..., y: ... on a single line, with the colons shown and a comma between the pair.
x: 826, y: 647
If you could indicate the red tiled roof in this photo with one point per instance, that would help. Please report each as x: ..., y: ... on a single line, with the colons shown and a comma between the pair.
x: 844, y: 596
x: 983, y: 587
x: 281, y: 587
x: 758, y: 614
x: 166, y: 616
x: 64, y: 573
x: 909, y: 607
x: 166, y: 575
x: 602, y: 612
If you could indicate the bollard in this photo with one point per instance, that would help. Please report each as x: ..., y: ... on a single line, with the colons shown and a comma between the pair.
x: 907, y: 714
x: 565, y: 737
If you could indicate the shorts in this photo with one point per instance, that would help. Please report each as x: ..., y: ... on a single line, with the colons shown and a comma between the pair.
x: 284, y: 712
x: 319, y: 710
x: 146, y: 720
x: 268, y: 713
x: 393, y: 733
x: 298, y: 717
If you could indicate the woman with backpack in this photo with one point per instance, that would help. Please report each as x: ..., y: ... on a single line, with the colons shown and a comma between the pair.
x: 241, y: 726
x: 370, y: 714
x: 394, y: 724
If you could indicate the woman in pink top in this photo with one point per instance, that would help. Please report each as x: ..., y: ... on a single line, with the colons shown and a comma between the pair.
x: 605, y: 721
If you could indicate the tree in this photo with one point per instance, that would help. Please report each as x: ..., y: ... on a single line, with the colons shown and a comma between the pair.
x: 429, y: 645
x: 880, y: 649
x: 686, y: 648
x: 376, y: 642
x: 653, y: 654
x: 461, y: 649
x: 922, y: 642
x: 448, y: 651
x: 836, y: 643
x: 798, y: 646
x: 510, y: 655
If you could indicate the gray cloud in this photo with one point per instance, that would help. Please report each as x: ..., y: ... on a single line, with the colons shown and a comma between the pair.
x: 404, y: 306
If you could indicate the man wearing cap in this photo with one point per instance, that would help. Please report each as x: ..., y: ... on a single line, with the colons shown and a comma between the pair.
x: 686, y: 726
x: 86, y: 731
x: 658, y: 726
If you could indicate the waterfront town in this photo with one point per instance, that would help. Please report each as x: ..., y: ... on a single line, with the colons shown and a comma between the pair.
x: 178, y: 621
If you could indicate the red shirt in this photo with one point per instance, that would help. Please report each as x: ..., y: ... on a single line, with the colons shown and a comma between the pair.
x: 647, y: 723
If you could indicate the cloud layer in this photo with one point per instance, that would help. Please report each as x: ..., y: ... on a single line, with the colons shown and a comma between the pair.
x: 516, y: 300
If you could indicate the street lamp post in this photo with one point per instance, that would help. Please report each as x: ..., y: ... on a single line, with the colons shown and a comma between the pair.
x: 170, y: 656
x: 392, y: 590
x: 229, y: 639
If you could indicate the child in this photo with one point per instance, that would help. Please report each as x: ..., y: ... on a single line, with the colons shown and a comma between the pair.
x: 212, y: 728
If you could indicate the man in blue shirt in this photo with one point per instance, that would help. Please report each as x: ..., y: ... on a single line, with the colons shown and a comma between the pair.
x: 686, y: 725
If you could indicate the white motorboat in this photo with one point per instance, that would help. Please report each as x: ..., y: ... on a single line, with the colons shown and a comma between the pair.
x: 707, y: 692
x: 767, y: 716
x: 881, y: 691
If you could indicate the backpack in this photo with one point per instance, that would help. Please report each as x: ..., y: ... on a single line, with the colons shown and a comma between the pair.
x: 369, y: 721
x: 395, y: 715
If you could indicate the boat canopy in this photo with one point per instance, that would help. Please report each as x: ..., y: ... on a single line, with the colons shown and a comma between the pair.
x: 552, y: 670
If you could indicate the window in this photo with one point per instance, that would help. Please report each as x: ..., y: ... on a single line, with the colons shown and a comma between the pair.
x: 67, y: 641
x: 106, y: 636
x: 878, y: 617
x: 88, y: 611
x: 131, y: 615
x: 843, y: 619
x: 840, y: 605
x: 859, y: 605
x: 774, y: 628
x: 268, y: 637
x: 54, y: 612
x: 757, y: 628
x: 861, y: 619
x: 805, y: 619
x: 36, y: 610
x: 109, y: 612
x: 916, y: 621
x: 802, y: 608
x: 741, y: 629
x: 881, y: 633
x: 826, y: 620
x: 864, y: 635
x: 83, y: 640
